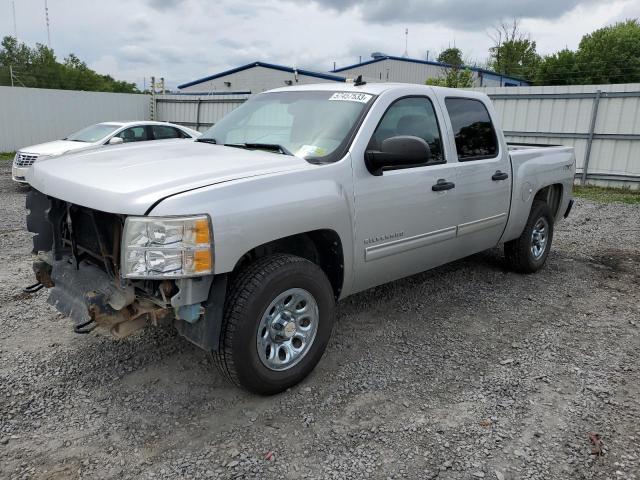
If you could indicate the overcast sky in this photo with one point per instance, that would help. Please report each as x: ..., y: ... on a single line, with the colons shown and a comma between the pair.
x: 183, y: 40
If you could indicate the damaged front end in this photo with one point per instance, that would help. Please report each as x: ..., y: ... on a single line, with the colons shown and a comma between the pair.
x: 78, y: 254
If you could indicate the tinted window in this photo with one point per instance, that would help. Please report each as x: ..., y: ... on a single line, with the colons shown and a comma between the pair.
x: 413, y: 116
x: 472, y: 128
x: 134, y: 134
x: 161, y: 132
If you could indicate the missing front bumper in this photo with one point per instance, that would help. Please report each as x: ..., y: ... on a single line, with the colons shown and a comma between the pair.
x: 86, y: 296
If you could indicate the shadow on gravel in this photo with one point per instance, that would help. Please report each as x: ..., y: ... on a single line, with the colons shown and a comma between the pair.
x: 618, y: 260
x: 13, y: 187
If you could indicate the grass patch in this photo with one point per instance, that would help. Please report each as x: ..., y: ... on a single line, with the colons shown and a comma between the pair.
x: 7, y: 155
x: 607, y: 194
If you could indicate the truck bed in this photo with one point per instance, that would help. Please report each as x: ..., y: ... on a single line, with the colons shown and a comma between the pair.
x: 533, y: 166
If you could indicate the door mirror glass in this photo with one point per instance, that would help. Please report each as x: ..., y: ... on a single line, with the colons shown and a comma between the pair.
x: 398, y: 152
x: 115, y: 141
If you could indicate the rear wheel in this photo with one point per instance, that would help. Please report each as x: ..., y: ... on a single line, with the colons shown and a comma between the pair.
x: 277, y: 322
x: 528, y: 253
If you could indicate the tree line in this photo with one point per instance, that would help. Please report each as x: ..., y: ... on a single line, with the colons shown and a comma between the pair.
x: 607, y: 55
x: 38, y: 67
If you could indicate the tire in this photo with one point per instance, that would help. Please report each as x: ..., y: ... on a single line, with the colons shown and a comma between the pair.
x: 255, y: 289
x: 523, y: 254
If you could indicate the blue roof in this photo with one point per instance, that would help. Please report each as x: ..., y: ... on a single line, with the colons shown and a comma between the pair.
x: 308, y: 73
x: 425, y: 62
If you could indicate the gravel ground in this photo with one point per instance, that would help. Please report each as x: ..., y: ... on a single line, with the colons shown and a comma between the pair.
x: 468, y: 371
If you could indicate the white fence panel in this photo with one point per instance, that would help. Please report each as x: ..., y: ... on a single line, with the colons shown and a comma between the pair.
x: 196, y: 111
x: 35, y: 115
x: 602, y: 122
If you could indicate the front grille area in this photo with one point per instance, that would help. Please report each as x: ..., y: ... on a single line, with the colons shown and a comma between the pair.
x: 96, y: 235
x: 25, y: 159
x: 70, y: 230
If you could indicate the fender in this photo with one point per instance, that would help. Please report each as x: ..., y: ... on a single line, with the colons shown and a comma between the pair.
x: 251, y: 212
x: 532, y: 172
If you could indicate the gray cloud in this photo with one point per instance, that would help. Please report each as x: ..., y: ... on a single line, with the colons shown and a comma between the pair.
x: 136, y: 54
x: 458, y: 14
x: 182, y: 40
x: 240, y: 43
x: 165, y: 4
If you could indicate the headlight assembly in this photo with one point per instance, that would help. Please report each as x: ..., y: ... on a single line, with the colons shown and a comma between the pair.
x: 167, y: 247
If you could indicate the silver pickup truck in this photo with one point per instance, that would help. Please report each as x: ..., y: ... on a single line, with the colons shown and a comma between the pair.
x: 245, y: 238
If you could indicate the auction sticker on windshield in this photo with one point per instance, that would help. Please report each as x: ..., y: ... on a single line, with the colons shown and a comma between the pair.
x: 351, y: 97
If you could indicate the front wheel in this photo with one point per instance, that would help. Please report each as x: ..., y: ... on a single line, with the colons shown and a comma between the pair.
x: 277, y: 322
x: 528, y: 253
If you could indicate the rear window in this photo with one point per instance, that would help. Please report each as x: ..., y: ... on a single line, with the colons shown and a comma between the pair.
x: 474, y: 133
x: 161, y: 132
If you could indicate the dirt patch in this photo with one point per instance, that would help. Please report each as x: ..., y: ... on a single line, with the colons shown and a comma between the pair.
x: 619, y: 260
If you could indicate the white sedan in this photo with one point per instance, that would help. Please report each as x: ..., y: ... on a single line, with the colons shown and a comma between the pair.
x: 95, y: 136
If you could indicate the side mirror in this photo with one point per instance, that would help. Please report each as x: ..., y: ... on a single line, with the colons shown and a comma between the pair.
x: 115, y: 141
x: 400, y: 151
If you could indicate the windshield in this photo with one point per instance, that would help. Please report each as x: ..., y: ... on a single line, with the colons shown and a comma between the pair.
x: 93, y: 133
x: 309, y: 124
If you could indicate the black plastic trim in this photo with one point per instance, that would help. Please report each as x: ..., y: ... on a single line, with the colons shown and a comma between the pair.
x: 205, y: 333
x: 569, y: 207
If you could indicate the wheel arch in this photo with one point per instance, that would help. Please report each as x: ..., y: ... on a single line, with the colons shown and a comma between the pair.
x: 552, y: 196
x: 523, y: 200
x: 323, y: 247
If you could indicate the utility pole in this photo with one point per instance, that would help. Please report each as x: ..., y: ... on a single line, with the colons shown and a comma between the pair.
x: 11, y: 74
x: 161, y: 85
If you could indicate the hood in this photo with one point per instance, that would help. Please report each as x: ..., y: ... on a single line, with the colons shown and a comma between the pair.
x: 57, y: 147
x: 128, y: 179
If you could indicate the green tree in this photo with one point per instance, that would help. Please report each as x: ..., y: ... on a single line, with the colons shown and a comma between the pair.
x: 38, y: 67
x: 560, y: 68
x: 451, y: 56
x: 513, y: 52
x: 610, y: 54
x: 454, y: 78
x: 456, y: 75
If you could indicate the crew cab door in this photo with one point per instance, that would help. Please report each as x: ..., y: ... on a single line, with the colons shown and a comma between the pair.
x: 402, y: 225
x: 483, y: 177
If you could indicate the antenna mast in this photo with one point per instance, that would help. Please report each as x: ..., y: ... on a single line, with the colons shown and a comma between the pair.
x: 15, y: 25
x: 406, y: 43
x: 46, y: 16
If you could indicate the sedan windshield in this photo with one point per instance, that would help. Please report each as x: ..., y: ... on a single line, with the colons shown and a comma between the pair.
x: 308, y: 124
x: 93, y: 133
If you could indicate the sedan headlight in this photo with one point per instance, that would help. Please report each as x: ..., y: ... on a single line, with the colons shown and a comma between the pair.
x: 162, y: 247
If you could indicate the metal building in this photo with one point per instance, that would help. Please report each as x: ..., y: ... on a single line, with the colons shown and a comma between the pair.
x: 256, y: 77
x: 387, y: 68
